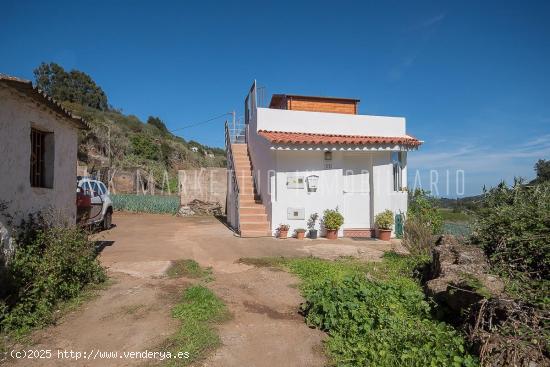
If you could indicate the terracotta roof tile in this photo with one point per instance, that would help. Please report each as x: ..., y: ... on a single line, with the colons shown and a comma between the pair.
x: 282, y: 137
x: 26, y: 87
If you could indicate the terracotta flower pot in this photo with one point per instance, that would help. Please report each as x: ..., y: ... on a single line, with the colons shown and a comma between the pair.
x: 300, y: 235
x: 283, y: 234
x: 384, y: 234
x: 332, y: 234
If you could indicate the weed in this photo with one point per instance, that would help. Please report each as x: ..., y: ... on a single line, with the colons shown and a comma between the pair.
x: 190, y: 269
x: 198, y: 309
x: 374, y: 313
x: 51, y: 265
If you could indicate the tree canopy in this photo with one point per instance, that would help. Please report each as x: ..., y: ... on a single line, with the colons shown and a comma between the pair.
x: 542, y: 168
x: 72, y: 86
x: 158, y: 123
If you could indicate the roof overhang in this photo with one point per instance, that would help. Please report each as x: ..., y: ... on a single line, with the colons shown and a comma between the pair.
x: 282, y: 140
x: 26, y: 88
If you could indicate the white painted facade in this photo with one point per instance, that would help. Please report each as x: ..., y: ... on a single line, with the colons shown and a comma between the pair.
x: 18, y: 114
x: 358, y: 180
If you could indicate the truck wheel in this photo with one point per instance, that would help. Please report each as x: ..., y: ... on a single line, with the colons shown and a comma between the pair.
x: 107, y: 220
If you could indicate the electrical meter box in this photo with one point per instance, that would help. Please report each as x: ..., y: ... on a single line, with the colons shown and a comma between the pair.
x: 296, y: 213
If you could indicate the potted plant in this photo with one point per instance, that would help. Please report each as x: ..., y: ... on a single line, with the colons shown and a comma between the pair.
x: 332, y: 221
x: 300, y: 233
x: 283, y: 230
x: 384, y: 224
x: 311, y: 225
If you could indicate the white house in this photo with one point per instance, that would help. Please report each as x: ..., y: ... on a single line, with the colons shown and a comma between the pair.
x: 305, y: 154
x: 38, y: 153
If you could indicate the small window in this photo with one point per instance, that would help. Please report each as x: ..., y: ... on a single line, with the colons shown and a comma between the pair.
x: 42, y: 159
x: 398, y: 163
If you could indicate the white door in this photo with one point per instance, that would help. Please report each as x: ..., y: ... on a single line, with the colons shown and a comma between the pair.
x: 357, y: 191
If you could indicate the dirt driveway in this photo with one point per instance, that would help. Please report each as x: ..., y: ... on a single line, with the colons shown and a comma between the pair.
x: 133, y: 314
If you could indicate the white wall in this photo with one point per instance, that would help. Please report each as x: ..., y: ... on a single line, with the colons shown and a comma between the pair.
x: 385, y: 197
x: 17, y: 115
x: 329, y: 123
x: 329, y: 194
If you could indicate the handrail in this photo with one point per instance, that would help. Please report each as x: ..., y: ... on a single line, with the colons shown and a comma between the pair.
x: 237, y: 133
x: 231, y: 167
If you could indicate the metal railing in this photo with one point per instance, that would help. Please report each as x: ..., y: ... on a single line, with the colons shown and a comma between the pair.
x: 230, y: 139
x: 237, y: 133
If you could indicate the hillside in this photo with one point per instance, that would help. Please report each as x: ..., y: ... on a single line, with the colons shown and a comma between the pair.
x: 125, y: 139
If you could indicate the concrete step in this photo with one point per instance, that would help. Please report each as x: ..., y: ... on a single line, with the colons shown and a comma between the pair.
x: 256, y: 210
x: 248, y: 203
x: 242, y: 164
x: 252, y: 234
x: 247, y: 197
x: 246, y: 186
x: 247, y: 190
x: 252, y: 218
x: 254, y: 226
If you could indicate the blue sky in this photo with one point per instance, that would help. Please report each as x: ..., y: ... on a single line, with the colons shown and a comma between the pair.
x: 472, y: 78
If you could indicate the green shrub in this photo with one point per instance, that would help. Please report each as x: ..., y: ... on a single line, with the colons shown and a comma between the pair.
x: 417, y: 237
x: 424, y: 208
x: 384, y: 220
x: 378, y: 319
x: 50, y: 264
x: 513, y: 227
x: 146, y: 203
x: 145, y: 147
x: 332, y: 219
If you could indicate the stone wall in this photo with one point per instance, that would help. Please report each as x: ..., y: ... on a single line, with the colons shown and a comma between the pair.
x: 206, y: 184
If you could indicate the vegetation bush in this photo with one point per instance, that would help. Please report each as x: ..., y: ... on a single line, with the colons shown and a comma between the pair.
x: 512, y: 225
x: 332, y: 219
x: 384, y: 220
x: 375, y: 313
x: 424, y: 209
x: 417, y: 237
x: 144, y: 146
x: 50, y: 264
x: 146, y: 203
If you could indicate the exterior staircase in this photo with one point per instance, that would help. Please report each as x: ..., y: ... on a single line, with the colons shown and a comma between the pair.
x: 252, y: 214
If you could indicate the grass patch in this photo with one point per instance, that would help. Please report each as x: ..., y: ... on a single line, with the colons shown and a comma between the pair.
x: 374, y: 313
x: 197, y: 311
x: 190, y: 269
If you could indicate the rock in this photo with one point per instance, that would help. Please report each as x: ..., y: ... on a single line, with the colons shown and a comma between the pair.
x: 7, y: 244
x: 185, y: 211
x: 199, y: 207
x: 459, y: 276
